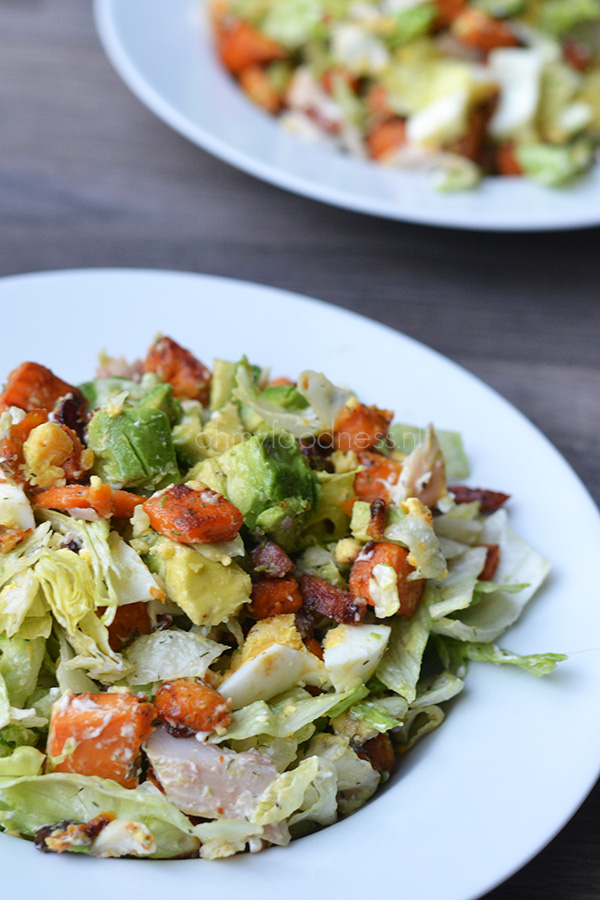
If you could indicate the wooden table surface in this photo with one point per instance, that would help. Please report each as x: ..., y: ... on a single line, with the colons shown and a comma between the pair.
x: 88, y: 177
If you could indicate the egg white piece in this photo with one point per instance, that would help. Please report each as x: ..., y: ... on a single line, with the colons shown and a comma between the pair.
x: 351, y: 653
x: 15, y: 508
x: 272, y: 671
x: 518, y: 71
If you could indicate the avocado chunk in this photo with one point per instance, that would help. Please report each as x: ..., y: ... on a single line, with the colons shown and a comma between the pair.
x: 133, y: 448
x: 269, y: 481
x: 207, y: 591
x: 285, y: 395
x: 186, y: 435
x: 161, y: 397
x: 99, y: 391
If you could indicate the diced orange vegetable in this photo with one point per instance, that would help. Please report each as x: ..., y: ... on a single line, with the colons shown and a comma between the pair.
x: 482, y: 31
x: 506, y: 160
x: 472, y: 143
x: 448, y: 10
x: 255, y: 83
x: 378, y: 476
x: 241, y: 45
x: 378, y: 102
x: 274, y: 597
x: 190, y: 378
x: 31, y: 386
x: 282, y: 382
x: 392, y: 555
x: 360, y: 427
x: 330, y: 76
x: 105, y: 733
x: 102, y: 498
x: 314, y: 646
x: 491, y: 562
x: 188, y: 516
x: 576, y: 55
x: 190, y: 704
x: 130, y: 622
x: 11, y: 447
x: 385, y: 138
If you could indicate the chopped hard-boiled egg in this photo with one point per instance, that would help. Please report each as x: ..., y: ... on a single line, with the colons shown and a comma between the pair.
x: 383, y: 590
x: 15, y: 508
x: 518, y: 71
x: 441, y: 121
x: 351, y: 653
x: 272, y: 660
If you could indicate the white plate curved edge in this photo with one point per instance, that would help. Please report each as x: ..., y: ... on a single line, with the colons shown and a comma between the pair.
x: 477, y: 799
x: 163, y: 51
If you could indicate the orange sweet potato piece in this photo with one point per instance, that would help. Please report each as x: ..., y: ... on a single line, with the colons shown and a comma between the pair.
x: 188, y: 516
x: 255, y: 83
x: 379, y: 474
x: 241, y: 45
x: 506, y: 160
x: 130, y: 622
x: 392, y: 555
x: 31, y: 386
x: 190, y: 378
x: 360, y: 427
x: 274, y: 597
x: 385, y: 138
x: 448, y: 10
x: 102, y: 498
x: 188, y: 703
x: 314, y: 646
x: 482, y: 31
x: 378, y: 102
x: 10, y: 537
x: 107, y: 731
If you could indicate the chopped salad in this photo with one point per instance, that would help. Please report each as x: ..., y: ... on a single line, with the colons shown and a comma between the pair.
x: 229, y: 603
x: 460, y: 89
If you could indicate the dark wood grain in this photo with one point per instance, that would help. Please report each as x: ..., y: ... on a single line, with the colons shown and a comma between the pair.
x: 88, y: 177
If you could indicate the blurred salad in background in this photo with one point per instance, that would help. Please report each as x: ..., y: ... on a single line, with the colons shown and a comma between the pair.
x: 461, y: 89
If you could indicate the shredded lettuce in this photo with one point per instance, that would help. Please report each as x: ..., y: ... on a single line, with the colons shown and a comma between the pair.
x: 285, y: 793
x: 357, y: 780
x: 170, y: 654
x: 400, y: 667
x: 457, y: 590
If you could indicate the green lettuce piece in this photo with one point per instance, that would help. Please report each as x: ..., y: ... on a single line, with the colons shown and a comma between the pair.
x: 375, y: 715
x: 14, y: 715
x: 292, y: 23
x: 537, y: 663
x: 419, y: 722
x: 456, y: 173
x: 560, y: 16
x: 285, y: 794
x: 285, y: 715
x: 437, y: 689
x: 70, y: 679
x: 282, y: 751
x: 222, y: 838
x: 22, y: 608
x: 457, y: 590
x: 412, y: 23
x: 400, y: 667
x: 357, y: 780
x: 552, y: 165
x: 22, y: 761
x: 319, y: 806
x: 25, y: 554
x: 495, y: 612
x: 500, y: 9
x: 170, y: 654
x: 20, y: 663
x: 410, y: 525
x: 460, y: 524
x: 29, y: 802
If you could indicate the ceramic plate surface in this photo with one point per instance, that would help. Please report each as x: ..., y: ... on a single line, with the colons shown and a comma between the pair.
x: 516, y: 755
x: 163, y: 51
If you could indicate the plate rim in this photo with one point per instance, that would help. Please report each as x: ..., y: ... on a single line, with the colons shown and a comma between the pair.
x: 198, y: 134
x: 258, y: 288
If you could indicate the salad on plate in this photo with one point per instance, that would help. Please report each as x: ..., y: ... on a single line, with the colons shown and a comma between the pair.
x: 229, y: 604
x: 461, y: 88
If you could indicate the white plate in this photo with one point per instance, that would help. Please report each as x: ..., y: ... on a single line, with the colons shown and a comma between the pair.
x: 163, y: 51
x: 516, y: 755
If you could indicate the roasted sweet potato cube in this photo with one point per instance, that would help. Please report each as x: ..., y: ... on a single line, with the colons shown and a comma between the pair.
x: 100, y: 734
x: 386, y: 553
x: 31, y: 386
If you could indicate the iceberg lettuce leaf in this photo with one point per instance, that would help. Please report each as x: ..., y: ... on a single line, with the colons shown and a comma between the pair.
x: 400, y: 667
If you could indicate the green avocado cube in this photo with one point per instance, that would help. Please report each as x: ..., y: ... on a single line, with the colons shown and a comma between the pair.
x: 161, y: 397
x: 269, y: 481
x: 285, y: 395
x: 133, y: 448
